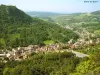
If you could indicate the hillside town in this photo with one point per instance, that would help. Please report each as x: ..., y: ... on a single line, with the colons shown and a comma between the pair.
x: 21, y: 53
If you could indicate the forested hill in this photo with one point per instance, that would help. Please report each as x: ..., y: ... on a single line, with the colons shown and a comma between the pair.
x: 96, y: 12
x: 19, y: 29
x: 13, y: 15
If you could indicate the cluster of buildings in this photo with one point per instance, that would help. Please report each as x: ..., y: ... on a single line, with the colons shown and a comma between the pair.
x: 82, y: 43
x: 21, y: 53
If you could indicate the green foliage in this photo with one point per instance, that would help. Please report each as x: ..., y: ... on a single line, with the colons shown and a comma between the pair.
x: 92, y: 27
x: 43, y: 64
x: 2, y: 43
x: 96, y: 71
x: 97, y: 33
x: 1, y: 67
x: 75, y: 20
x: 91, y: 50
x: 96, y: 12
x: 89, y: 66
x: 84, y: 67
x: 6, y: 71
x: 19, y: 29
x: 80, y: 21
x: 47, y: 42
x: 12, y: 15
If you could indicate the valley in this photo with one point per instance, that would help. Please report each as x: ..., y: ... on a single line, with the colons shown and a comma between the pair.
x: 46, y: 43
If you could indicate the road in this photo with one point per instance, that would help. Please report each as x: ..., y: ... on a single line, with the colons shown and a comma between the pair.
x: 78, y: 54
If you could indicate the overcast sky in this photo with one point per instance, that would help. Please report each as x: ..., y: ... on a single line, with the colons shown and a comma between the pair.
x: 54, y: 5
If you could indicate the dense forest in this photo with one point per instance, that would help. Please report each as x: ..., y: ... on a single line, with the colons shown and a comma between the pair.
x: 12, y: 15
x: 64, y: 63
x: 43, y: 64
x: 19, y: 29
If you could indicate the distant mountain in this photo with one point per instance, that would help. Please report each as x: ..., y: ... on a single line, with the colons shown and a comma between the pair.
x: 77, y: 18
x: 42, y: 14
x: 13, y: 15
x: 96, y: 12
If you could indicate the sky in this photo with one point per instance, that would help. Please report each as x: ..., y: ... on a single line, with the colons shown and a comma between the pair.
x: 62, y: 6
